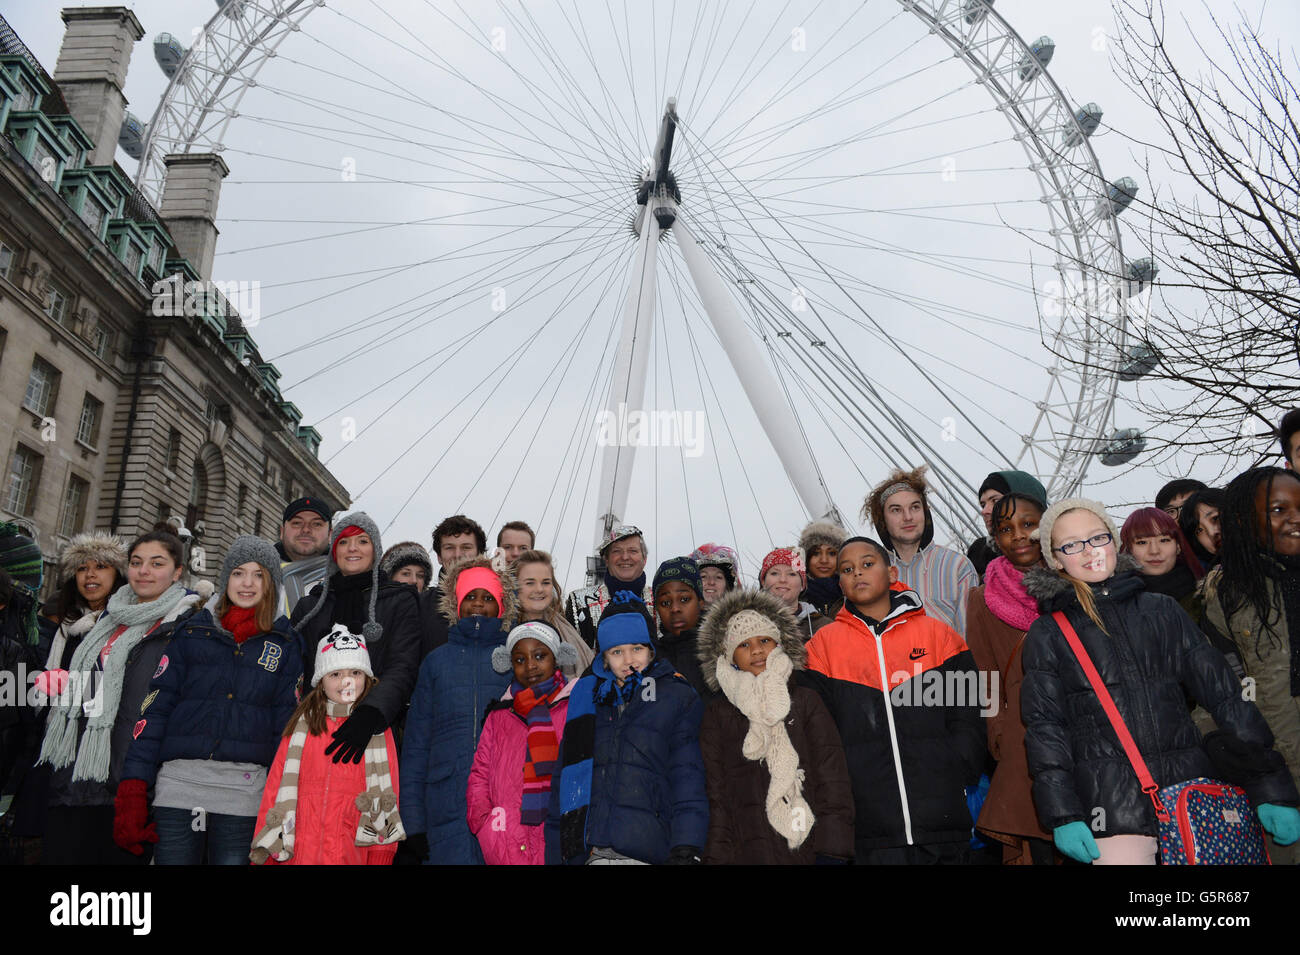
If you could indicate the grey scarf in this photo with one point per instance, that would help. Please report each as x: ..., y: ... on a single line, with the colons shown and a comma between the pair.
x: 93, y: 756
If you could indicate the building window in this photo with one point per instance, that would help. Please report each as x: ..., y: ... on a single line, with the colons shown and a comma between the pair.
x: 156, y: 257
x: 242, y: 501
x: 8, y: 259
x: 92, y: 411
x: 44, y: 161
x: 257, y: 523
x: 42, y: 387
x: 92, y: 213
x: 132, y: 258
x: 198, y: 495
x: 58, y: 303
x: 74, y: 507
x: 24, y: 476
x: 101, y: 340
x: 173, y: 458
x: 25, y: 98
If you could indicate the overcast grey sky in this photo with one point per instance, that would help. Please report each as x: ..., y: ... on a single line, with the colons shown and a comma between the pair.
x: 394, y: 177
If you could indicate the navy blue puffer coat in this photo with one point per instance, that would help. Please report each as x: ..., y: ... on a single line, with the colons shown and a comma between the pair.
x: 217, y: 699
x: 648, y: 792
x: 456, y: 685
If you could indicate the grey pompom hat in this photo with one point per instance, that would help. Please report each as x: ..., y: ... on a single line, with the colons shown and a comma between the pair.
x: 248, y: 549
x: 564, y: 654
x: 372, y: 630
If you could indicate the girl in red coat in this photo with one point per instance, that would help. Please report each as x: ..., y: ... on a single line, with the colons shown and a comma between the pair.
x: 318, y: 810
x: 510, y: 781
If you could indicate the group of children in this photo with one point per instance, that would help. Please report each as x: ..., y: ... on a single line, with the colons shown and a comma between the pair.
x: 717, y: 725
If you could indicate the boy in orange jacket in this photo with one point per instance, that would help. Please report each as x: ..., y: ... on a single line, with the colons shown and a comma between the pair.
x: 904, y: 692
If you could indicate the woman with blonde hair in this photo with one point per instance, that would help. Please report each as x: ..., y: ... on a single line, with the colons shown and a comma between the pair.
x: 542, y: 598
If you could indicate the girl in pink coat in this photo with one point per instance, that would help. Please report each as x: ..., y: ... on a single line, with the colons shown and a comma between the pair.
x: 519, y: 748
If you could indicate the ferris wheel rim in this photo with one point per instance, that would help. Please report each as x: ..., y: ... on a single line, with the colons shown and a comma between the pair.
x: 1090, y: 408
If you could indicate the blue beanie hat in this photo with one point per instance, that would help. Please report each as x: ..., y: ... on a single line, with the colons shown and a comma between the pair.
x: 624, y: 620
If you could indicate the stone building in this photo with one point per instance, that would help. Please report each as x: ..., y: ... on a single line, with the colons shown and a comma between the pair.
x: 130, y: 390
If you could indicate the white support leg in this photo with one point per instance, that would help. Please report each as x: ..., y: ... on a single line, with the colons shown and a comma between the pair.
x: 627, y: 387
x: 760, y: 384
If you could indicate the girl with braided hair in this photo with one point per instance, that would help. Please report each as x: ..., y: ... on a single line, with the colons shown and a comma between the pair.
x: 1252, y: 603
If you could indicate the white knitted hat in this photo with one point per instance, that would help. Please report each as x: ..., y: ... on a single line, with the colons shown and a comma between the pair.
x: 545, y: 634
x: 341, y: 649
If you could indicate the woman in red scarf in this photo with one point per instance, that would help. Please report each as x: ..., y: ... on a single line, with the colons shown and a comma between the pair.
x: 510, y: 782
x: 998, y: 614
x: 210, y: 724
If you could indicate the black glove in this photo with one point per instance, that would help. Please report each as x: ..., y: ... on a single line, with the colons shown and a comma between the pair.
x: 684, y: 855
x: 412, y: 850
x: 351, y: 739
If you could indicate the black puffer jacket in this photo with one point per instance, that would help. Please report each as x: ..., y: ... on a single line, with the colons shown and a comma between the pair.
x: 1152, y: 652
x: 680, y: 651
x: 395, y: 656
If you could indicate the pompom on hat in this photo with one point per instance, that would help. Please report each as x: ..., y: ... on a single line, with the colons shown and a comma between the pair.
x: 564, y: 654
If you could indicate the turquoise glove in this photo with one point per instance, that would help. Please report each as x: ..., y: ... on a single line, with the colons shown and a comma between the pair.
x: 1281, y: 822
x: 1075, y: 840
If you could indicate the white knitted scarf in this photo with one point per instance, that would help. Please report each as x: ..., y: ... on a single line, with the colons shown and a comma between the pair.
x: 765, y: 700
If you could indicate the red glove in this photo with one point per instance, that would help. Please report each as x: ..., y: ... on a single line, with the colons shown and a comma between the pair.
x: 130, y: 815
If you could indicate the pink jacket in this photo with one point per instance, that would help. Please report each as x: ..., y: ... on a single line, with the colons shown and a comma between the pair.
x: 496, y: 787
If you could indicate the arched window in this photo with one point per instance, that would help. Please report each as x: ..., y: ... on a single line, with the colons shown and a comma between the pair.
x: 198, y: 495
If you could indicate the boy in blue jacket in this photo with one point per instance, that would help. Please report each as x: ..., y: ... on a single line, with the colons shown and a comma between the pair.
x: 631, y: 782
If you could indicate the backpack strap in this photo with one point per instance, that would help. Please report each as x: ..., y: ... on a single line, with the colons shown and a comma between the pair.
x: 1112, y: 713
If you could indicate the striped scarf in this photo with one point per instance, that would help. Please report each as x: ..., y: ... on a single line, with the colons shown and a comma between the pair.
x: 542, y: 754
x: 380, y: 823
x: 576, y: 758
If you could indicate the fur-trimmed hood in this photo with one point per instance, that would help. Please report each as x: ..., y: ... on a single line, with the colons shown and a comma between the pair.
x: 1047, y: 586
x: 447, y: 603
x: 712, y: 640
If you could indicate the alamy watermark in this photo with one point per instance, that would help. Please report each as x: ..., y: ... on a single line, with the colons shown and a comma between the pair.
x: 660, y: 428
x: 947, y: 688
x: 173, y: 298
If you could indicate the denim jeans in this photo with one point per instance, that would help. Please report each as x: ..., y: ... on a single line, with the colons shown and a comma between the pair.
x: 183, y: 835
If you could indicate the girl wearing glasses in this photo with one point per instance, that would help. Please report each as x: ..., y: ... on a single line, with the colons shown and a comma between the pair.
x: 1149, y: 653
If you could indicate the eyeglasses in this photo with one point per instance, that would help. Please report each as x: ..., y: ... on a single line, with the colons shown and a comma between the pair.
x: 1077, y: 547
